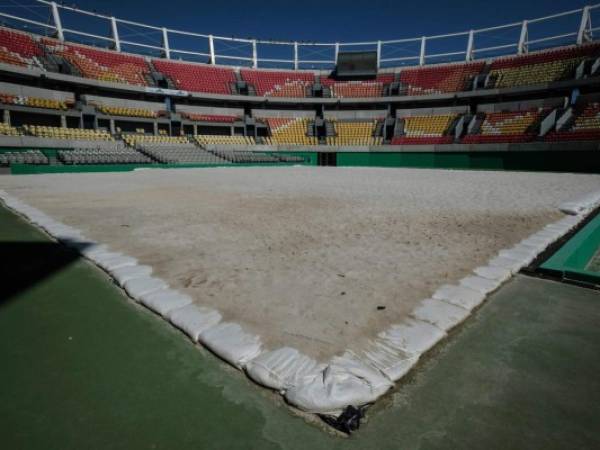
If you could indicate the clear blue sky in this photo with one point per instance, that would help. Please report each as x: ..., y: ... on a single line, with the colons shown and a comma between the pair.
x: 329, y: 21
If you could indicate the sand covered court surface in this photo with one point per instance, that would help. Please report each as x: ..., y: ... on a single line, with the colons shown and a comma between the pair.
x: 304, y: 257
x: 319, y: 259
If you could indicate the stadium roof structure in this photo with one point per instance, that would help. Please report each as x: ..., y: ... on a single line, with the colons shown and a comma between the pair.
x: 563, y: 28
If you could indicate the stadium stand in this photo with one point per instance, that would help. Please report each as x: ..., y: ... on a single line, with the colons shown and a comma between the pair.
x: 67, y: 133
x: 22, y: 157
x: 354, y: 89
x: 102, y: 65
x: 197, y: 77
x: 279, y: 83
x: 354, y: 133
x: 439, y: 79
x: 135, y: 139
x: 209, y: 117
x: 426, y: 130
x: 7, y: 130
x: 506, y: 127
x: 584, y: 127
x: 246, y: 157
x: 210, y: 139
x: 290, y: 131
x: 33, y: 102
x: 103, y: 156
x: 540, y: 67
x: 18, y: 49
x: 181, y: 154
x: 128, y: 112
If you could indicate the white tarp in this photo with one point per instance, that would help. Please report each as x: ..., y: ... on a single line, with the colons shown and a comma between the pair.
x: 280, y: 369
x: 231, y: 343
x: 193, y: 320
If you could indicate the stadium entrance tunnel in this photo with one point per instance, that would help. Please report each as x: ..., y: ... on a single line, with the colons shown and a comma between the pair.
x: 327, y: 159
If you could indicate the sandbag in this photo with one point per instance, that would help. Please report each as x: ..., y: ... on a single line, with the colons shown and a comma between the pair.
x: 581, y: 205
x: 193, y: 319
x: 440, y: 313
x: 522, y: 254
x: 493, y: 273
x: 480, y: 284
x: 385, y: 357
x: 412, y: 336
x: 459, y: 296
x: 230, y: 342
x: 164, y: 301
x: 139, y: 287
x: 104, y: 257
x: 126, y: 273
x: 280, y: 369
x: 509, y: 264
x: 110, y: 264
x: 345, y: 381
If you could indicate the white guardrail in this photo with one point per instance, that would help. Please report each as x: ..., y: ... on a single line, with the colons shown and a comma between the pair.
x: 461, y: 46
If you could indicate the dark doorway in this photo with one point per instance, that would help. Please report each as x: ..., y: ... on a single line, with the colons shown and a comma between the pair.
x: 328, y: 159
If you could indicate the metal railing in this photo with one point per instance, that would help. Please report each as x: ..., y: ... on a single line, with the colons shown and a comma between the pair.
x: 254, y: 53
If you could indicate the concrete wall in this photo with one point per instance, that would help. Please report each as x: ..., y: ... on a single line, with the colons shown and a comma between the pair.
x: 122, y: 103
x: 368, y: 115
x: 281, y: 113
x: 238, y: 112
x: 522, y: 105
x: 431, y: 111
x: 29, y: 91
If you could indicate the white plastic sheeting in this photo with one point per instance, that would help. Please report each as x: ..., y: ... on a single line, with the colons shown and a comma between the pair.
x: 230, y: 342
x: 345, y: 381
x: 281, y: 369
x: 194, y: 320
x: 164, y: 301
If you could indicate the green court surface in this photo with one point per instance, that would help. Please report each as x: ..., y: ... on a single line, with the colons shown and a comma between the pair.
x: 85, y: 368
x: 578, y: 259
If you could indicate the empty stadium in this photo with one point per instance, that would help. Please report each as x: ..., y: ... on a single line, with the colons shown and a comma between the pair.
x: 389, y: 240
